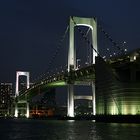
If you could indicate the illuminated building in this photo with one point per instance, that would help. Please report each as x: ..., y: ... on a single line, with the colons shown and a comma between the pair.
x: 5, y: 98
x: 118, y: 85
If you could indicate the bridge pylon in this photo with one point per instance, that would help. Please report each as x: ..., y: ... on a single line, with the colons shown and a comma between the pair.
x: 93, y: 98
x: 92, y: 24
x: 70, y: 107
x: 80, y: 21
x: 21, y: 73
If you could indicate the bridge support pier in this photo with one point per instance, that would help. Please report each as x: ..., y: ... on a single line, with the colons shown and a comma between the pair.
x: 70, y: 109
x: 16, y: 110
x: 27, y: 110
x: 93, y: 99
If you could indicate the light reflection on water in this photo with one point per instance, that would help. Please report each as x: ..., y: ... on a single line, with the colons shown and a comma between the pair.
x: 22, y: 129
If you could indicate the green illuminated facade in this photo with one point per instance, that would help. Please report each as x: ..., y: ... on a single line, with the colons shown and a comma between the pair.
x: 118, y: 86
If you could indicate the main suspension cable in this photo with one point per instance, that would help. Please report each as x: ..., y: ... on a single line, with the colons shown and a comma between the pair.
x: 54, y: 55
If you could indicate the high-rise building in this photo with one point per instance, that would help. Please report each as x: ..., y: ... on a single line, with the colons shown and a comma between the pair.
x: 5, y: 98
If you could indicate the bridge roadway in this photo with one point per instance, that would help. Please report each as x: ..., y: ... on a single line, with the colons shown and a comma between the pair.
x: 81, y: 76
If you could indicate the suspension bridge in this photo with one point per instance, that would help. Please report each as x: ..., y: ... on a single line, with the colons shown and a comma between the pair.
x: 96, y: 65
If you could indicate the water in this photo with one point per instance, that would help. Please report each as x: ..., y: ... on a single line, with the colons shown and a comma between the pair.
x: 23, y: 129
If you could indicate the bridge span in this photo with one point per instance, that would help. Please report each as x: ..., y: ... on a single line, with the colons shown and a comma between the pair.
x: 115, y: 82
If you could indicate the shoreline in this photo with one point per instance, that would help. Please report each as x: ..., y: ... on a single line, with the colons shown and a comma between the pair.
x: 97, y: 118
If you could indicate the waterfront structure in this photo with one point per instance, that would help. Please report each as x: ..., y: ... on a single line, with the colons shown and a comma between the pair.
x: 115, y: 81
x: 118, y: 85
x: 74, y: 21
x: 6, y: 90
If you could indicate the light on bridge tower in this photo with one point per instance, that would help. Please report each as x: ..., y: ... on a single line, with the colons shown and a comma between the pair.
x: 78, y: 21
x: 92, y: 24
x: 93, y: 99
x: 21, y: 73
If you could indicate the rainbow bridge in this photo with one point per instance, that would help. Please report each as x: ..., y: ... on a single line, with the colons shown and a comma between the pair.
x: 115, y: 82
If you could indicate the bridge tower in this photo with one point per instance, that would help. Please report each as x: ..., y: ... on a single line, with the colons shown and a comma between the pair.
x: 92, y: 24
x: 21, y: 73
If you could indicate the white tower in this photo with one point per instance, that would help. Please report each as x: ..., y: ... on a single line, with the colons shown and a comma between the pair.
x: 21, y: 73
x: 92, y: 24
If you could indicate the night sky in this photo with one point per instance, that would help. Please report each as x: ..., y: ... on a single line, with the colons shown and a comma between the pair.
x: 30, y: 30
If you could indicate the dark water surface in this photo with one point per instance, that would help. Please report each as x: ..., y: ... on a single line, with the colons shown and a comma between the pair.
x: 24, y: 129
